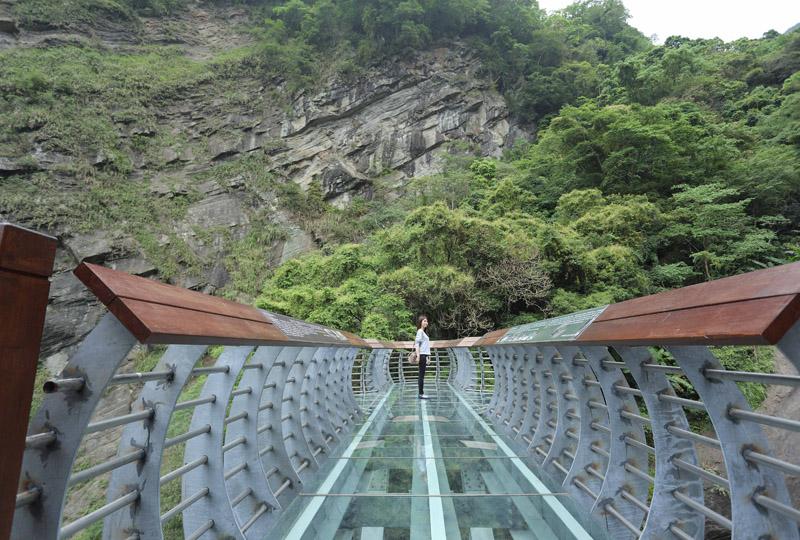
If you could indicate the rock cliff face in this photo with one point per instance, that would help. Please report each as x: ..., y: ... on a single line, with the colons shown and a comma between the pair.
x: 392, y: 122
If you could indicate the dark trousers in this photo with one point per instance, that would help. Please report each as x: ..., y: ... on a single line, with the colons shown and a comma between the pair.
x: 423, y: 363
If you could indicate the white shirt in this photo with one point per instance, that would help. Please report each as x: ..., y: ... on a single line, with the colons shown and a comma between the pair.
x: 423, y: 341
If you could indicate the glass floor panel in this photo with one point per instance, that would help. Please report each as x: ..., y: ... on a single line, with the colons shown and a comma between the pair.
x: 421, y: 469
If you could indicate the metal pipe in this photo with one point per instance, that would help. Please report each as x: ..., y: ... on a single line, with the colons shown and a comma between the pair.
x: 230, y: 473
x: 789, y: 468
x: 680, y: 533
x: 746, y: 376
x: 638, y: 472
x: 27, y: 497
x: 785, y: 423
x: 630, y: 441
x: 560, y: 467
x: 772, y: 504
x: 186, y: 436
x: 607, y: 363
x: 194, y: 402
x: 183, y: 505
x: 126, y: 378
x: 627, y: 390
x: 81, y: 523
x: 584, y: 487
x: 241, y: 496
x: 212, y: 369
x: 119, y: 421
x: 234, y: 443
x: 40, y: 440
x: 201, y: 530
x: 234, y: 418
x: 682, y: 401
x: 710, y: 514
x: 64, y: 385
x: 248, y: 390
x: 628, y: 496
x: 702, y: 473
x: 265, y: 450
x: 628, y: 525
x: 659, y: 367
x: 260, y: 512
x: 594, y: 472
x: 110, y: 465
x: 283, y: 487
x: 684, y: 434
x: 180, y: 471
x: 633, y: 416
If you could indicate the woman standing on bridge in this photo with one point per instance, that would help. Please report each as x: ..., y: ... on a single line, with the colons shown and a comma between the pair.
x: 422, y: 344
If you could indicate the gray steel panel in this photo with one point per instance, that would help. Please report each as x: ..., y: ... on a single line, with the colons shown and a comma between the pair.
x: 749, y: 520
x: 144, y: 517
x: 588, y: 436
x: 253, y: 477
x: 216, y: 505
x: 666, y: 510
x: 616, y: 476
x: 67, y: 413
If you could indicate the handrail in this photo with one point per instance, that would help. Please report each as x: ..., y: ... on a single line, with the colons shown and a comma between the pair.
x: 756, y: 308
x: 26, y: 263
x: 158, y: 313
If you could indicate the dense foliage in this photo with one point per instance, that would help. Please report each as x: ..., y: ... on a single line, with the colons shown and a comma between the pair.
x: 683, y: 167
x: 652, y: 166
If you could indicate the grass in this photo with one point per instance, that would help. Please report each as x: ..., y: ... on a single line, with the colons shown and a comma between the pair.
x: 74, y: 13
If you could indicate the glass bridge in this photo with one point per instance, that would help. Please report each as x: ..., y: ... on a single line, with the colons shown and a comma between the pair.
x: 431, y: 469
x: 249, y: 425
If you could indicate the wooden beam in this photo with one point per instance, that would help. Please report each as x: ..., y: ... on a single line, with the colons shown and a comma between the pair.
x: 158, y: 313
x: 26, y: 263
x: 762, y: 321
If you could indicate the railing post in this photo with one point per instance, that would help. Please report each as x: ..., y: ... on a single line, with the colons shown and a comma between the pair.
x: 26, y: 263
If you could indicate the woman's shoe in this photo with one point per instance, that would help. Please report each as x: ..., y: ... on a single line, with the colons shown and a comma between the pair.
x: 423, y: 396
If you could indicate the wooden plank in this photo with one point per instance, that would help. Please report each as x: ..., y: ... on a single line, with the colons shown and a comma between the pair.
x: 749, y: 322
x: 777, y: 281
x: 25, y: 251
x: 108, y: 284
x: 355, y: 340
x: 445, y: 343
x: 401, y: 344
x: 377, y: 344
x: 159, y: 323
x: 491, y: 338
x: 26, y: 262
x: 157, y: 313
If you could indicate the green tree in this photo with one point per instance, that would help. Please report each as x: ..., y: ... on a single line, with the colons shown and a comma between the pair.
x: 712, y: 222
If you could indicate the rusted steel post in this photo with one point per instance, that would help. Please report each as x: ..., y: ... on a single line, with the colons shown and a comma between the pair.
x: 26, y: 263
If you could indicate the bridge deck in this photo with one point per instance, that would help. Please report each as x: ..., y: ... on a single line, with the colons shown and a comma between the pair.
x: 430, y: 469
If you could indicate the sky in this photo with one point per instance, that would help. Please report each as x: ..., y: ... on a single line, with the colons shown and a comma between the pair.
x: 727, y: 19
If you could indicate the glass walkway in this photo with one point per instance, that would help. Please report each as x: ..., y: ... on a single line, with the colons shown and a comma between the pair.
x: 431, y: 469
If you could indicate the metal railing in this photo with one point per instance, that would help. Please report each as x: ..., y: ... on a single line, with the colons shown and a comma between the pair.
x: 600, y: 416
x: 217, y: 441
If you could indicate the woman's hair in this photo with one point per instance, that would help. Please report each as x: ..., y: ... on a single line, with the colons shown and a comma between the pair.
x: 419, y: 321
